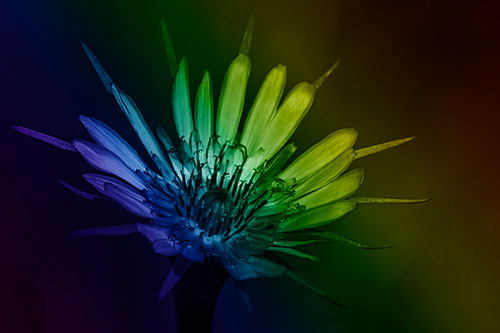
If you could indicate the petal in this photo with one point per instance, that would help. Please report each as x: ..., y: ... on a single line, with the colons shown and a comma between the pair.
x: 141, y: 128
x: 45, y: 138
x: 232, y: 98
x: 321, y: 154
x: 106, y: 80
x: 339, y: 189
x: 181, y: 265
x: 109, y: 139
x: 181, y: 104
x: 287, y: 118
x: 106, y: 161
x: 152, y: 233
x: 204, y: 110
x: 316, y: 217
x: 264, y: 107
x: 133, y: 114
x: 165, y: 247
x: 128, y: 198
x: 98, y: 181
x: 327, y: 174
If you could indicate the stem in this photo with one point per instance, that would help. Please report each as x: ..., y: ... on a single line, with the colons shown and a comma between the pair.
x: 196, y: 296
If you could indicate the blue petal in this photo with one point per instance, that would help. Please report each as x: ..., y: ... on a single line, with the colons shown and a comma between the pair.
x: 106, y: 80
x: 133, y: 114
x: 106, y: 161
x: 181, y: 265
x: 109, y: 139
x: 142, y: 130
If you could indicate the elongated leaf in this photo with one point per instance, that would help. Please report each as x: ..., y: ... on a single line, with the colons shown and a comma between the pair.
x: 45, y: 138
x: 381, y: 147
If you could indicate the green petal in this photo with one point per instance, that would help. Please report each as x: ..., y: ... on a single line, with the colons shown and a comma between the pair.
x: 326, y: 174
x: 263, y: 108
x: 316, y: 217
x: 293, y: 252
x: 171, y: 59
x: 204, y: 111
x: 287, y: 118
x: 339, y: 189
x: 232, y: 98
x: 181, y: 103
x: 388, y: 200
x: 321, y: 154
x: 383, y: 146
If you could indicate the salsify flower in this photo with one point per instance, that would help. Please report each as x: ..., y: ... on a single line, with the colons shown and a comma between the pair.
x: 218, y: 193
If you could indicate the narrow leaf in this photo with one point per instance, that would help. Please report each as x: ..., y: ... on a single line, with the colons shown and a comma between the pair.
x: 380, y: 147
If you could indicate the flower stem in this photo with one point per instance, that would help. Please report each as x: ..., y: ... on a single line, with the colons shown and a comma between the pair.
x: 196, y: 296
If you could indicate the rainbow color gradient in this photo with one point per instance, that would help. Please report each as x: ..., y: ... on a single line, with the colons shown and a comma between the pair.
x: 405, y: 70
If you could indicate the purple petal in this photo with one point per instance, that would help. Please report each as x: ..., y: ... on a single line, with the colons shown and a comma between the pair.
x: 81, y: 193
x: 109, y: 139
x: 119, y: 230
x: 152, y: 233
x: 165, y: 247
x: 98, y: 181
x: 45, y: 138
x: 128, y: 198
x: 181, y: 265
x: 106, y: 161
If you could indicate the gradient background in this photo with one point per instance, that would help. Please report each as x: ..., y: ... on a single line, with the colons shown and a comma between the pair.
x: 428, y: 69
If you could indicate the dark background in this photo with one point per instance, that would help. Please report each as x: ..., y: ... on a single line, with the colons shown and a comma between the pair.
x: 427, y: 68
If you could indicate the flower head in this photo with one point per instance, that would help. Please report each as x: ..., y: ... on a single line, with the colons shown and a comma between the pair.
x: 220, y: 193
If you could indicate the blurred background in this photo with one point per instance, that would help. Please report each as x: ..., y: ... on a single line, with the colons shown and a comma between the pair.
x: 427, y: 68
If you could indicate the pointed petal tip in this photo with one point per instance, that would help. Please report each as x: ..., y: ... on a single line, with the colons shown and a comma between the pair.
x: 326, y: 74
x: 105, y: 78
x: 61, y: 144
x: 169, y: 49
x: 247, y: 37
x: 381, y: 147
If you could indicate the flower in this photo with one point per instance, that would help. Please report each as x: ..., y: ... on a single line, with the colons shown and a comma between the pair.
x: 218, y: 193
